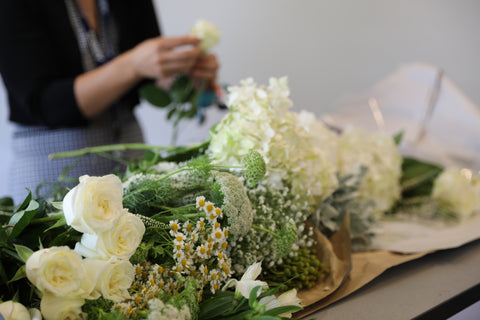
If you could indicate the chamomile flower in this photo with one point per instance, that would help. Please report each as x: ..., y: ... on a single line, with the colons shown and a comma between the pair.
x: 200, y: 202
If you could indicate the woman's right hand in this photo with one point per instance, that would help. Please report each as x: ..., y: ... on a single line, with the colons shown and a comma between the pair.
x: 164, y: 57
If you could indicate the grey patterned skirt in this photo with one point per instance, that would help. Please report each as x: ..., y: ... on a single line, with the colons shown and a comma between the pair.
x: 31, y: 147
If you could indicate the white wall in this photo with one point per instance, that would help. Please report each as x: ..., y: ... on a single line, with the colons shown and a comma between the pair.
x: 328, y: 49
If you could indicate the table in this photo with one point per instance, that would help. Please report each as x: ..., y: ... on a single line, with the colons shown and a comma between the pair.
x: 433, y: 283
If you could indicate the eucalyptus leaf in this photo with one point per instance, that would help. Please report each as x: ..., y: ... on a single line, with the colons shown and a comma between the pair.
x: 23, y: 252
x: 155, y: 95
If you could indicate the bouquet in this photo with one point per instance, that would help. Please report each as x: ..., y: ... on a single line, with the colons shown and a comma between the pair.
x: 228, y: 229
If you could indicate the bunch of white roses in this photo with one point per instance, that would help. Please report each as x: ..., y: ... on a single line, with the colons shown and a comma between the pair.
x: 110, y: 237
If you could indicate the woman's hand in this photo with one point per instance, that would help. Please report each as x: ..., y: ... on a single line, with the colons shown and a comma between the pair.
x: 161, y: 58
x: 206, y: 68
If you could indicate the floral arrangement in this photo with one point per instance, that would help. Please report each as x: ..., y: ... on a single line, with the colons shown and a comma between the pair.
x: 227, y: 229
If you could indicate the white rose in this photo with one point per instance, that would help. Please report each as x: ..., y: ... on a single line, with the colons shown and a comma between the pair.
x: 14, y: 311
x: 95, y: 204
x: 207, y: 32
x: 62, y: 308
x: 114, y: 277
x: 121, y: 241
x: 57, y: 270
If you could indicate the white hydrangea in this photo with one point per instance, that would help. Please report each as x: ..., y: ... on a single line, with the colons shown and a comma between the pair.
x: 464, y: 201
x: 207, y: 32
x: 380, y: 154
x: 299, y: 151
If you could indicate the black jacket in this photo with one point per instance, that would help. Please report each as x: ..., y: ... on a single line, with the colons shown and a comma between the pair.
x: 40, y: 58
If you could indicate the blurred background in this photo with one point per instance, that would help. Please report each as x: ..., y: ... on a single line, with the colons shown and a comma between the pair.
x: 328, y: 49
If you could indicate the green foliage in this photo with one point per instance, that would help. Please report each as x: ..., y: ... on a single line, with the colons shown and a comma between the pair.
x: 343, y: 200
x: 418, y: 177
x: 226, y: 306
x: 181, y: 99
x: 100, y: 309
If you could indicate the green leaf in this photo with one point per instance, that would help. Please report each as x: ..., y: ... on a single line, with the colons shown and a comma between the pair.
x: 265, y: 318
x: 181, y: 89
x: 418, y: 177
x: 24, y: 219
x: 240, y: 316
x: 171, y: 113
x: 3, y: 273
x: 398, y: 138
x: 214, y: 307
x: 57, y: 205
x: 155, y: 95
x: 20, y: 274
x: 23, y: 252
x: 6, y: 202
x: 281, y: 310
x: 25, y: 202
x: 253, y: 296
x: 60, y: 223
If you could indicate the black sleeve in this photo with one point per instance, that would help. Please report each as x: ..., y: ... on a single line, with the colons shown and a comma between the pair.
x: 39, y: 61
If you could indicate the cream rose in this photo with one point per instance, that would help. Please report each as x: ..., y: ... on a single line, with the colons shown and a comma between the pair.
x: 207, y: 32
x: 121, y: 241
x: 62, y: 308
x: 14, y: 311
x: 57, y: 270
x: 114, y: 277
x: 95, y: 204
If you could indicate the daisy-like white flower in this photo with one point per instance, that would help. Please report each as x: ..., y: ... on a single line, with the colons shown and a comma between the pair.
x: 200, y: 227
x: 202, y: 251
x: 218, y: 235
x: 174, y: 227
x: 179, y: 239
x: 200, y: 202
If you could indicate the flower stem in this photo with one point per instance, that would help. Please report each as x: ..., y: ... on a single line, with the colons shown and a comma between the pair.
x: 46, y: 219
x: 265, y: 230
x: 115, y: 147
